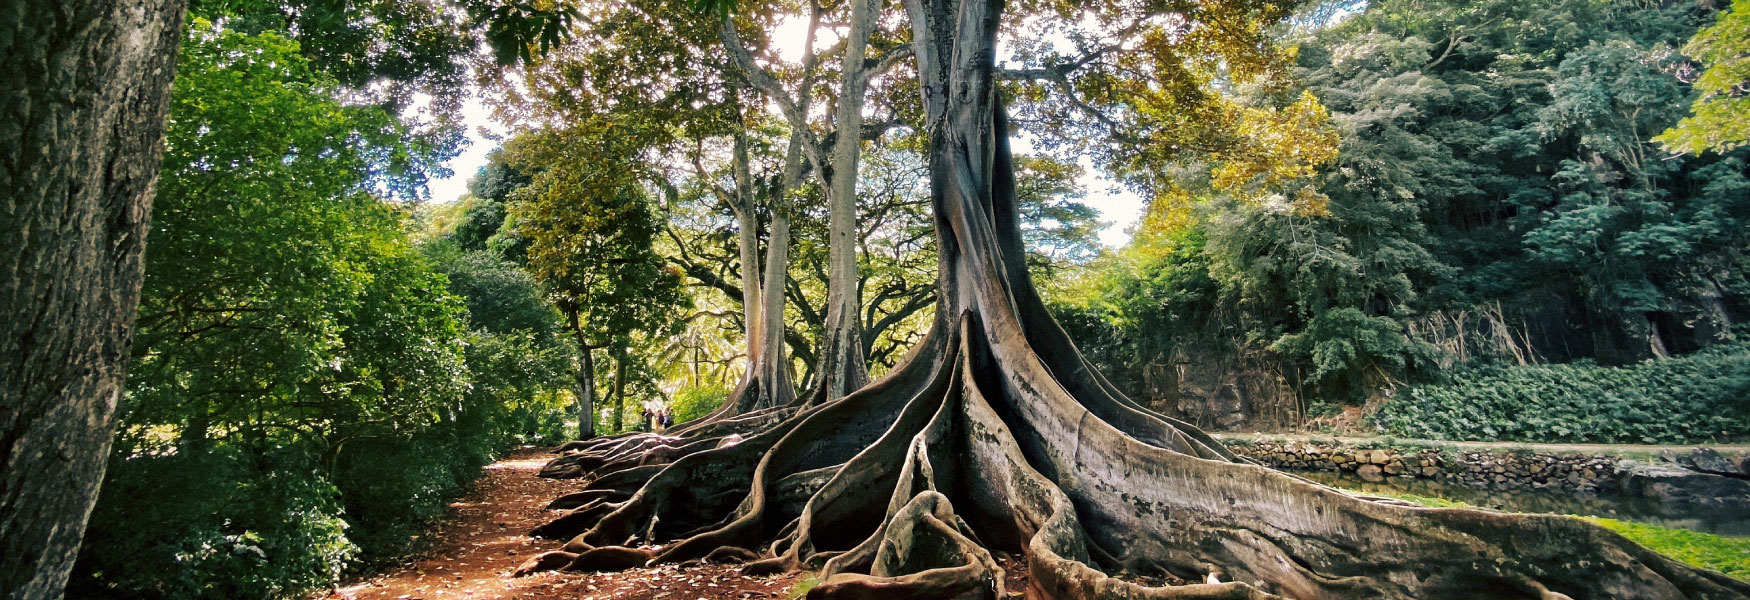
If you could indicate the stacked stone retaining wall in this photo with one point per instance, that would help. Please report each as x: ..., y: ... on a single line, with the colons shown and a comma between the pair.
x: 1504, y: 468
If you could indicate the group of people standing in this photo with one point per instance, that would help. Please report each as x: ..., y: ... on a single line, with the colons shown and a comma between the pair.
x: 658, y: 420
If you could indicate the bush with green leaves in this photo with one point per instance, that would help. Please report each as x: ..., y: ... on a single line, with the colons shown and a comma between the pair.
x: 222, y: 524
x: 1699, y: 398
x: 308, y: 386
x: 696, y: 401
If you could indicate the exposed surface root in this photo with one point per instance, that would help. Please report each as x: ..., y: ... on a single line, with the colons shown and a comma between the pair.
x: 907, y: 488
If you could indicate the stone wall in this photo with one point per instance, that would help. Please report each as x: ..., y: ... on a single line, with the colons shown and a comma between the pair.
x: 1700, y: 477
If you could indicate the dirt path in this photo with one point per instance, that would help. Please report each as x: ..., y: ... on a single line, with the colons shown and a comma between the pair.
x: 472, y: 552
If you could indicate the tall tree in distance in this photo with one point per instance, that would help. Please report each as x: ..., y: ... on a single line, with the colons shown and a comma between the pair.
x: 590, y: 227
x: 841, y: 364
x: 84, y: 87
x: 663, y: 63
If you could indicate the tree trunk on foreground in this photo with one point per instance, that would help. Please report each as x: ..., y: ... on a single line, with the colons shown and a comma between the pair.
x: 996, y: 435
x: 83, y: 91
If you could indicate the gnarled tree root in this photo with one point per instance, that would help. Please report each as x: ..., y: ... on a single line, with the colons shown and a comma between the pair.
x: 976, y: 458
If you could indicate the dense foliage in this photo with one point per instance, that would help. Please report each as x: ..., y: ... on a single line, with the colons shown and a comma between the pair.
x: 307, y: 385
x: 1497, y: 197
x: 1721, y: 119
x: 1699, y: 398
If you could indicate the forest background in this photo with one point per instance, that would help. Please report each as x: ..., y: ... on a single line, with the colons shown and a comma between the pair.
x: 1452, y: 220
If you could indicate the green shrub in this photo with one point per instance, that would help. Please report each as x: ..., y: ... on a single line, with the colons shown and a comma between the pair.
x: 392, y: 488
x: 217, y: 524
x: 1728, y: 555
x: 1702, y: 397
x: 694, y: 402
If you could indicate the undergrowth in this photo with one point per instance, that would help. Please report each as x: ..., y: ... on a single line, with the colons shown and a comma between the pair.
x: 808, y: 582
x: 1698, y: 398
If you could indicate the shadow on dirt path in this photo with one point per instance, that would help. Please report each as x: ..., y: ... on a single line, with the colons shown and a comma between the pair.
x: 470, y: 554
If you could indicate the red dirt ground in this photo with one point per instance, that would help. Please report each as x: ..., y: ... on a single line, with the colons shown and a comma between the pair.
x: 470, y: 554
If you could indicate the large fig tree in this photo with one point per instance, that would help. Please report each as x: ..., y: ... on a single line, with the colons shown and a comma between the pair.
x: 996, y: 437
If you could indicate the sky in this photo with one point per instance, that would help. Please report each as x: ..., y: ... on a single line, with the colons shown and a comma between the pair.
x: 1119, y: 208
x: 476, y: 116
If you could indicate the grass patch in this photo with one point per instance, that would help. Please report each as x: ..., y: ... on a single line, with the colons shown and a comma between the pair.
x: 801, y: 588
x: 1428, y: 501
x: 1727, y: 555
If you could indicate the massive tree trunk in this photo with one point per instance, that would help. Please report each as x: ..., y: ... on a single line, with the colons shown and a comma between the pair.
x: 83, y: 91
x: 996, y: 436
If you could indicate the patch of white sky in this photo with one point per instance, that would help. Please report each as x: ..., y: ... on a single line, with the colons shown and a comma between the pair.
x: 483, y: 131
x: 1120, y: 208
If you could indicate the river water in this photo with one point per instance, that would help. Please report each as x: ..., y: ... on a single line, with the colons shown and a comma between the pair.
x: 1719, y: 522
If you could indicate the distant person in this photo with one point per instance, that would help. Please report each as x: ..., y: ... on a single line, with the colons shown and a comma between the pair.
x: 667, y: 420
x: 644, y: 421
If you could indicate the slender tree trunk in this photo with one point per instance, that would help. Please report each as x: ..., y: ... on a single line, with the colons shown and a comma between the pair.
x: 83, y: 91
x: 843, y: 367
x: 620, y: 391
x: 585, y: 393
x: 585, y: 376
x: 747, y: 221
x: 767, y: 382
x: 774, y: 367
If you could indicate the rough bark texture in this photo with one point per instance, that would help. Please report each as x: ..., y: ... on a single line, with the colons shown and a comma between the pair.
x: 996, y: 435
x: 83, y: 91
